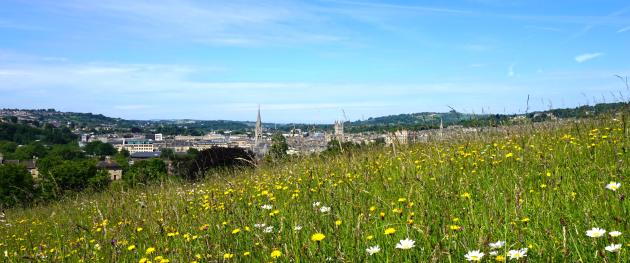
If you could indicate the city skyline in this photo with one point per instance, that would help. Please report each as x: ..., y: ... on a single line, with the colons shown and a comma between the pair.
x: 306, y: 61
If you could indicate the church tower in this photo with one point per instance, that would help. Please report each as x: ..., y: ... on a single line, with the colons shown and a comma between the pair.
x: 339, y: 135
x: 258, y: 132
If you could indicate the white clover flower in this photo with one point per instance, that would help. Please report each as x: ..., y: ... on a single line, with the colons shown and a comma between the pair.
x: 324, y: 209
x: 373, y: 250
x: 474, y: 255
x: 260, y: 225
x: 613, y: 248
x: 595, y: 232
x: 517, y: 254
x: 493, y: 253
x: 613, y: 186
x: 297, y: 228
x: 267, y: 207
x: 316, y: 204
x: 406, y: 244
x: 498, y: 244
x: 268, y: 229
x: 614, y: 233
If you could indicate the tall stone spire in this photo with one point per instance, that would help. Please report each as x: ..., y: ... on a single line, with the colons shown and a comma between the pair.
x: 258, y: 132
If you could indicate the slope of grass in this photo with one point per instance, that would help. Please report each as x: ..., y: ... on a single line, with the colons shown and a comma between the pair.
x: 536, y: 187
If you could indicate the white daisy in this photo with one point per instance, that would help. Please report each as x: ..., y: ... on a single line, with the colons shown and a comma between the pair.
x: 406, y: 244
x: 474, y: 255
x: 316, y: 204
x: 614, y: 233
x: 613, y: 186
x: 498, y: 244
x: 268, y: 229
x: 297, y: 228
x: 517, y: 254
x: 613, y: 248
x: 324, y: 209
x: 267, y: 207
x: 373, y: 250
x: 595, y: 232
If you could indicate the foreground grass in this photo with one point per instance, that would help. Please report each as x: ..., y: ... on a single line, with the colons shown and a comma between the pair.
x: 539, y: 188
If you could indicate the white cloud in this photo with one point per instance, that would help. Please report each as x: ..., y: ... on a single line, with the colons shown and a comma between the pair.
x: 587, y: 56
x: 511, y: 70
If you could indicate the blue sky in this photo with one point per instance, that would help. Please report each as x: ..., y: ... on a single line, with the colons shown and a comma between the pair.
x: 306, y: 61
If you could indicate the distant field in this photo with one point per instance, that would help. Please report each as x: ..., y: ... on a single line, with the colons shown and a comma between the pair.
x: 537, y: 188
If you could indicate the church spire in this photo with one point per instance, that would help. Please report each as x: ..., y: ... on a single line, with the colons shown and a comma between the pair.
x: 258, y: 131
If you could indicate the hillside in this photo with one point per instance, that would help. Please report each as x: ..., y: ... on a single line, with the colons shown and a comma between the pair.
x: 413, y: 121
x: 532, y: 192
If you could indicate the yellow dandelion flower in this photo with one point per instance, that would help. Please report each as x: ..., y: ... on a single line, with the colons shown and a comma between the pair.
x: 144, y: 260
x: 276, y: 254
x: 317, y: 237
x: 138, y: 229
x: 236, y: 231
x: 455, y: 227
x: 228, y: 256
x: 149, y: 250
x: 390, y: 231
x: 132, y: 247
x: 500, y: 258
x: 338, y: 222
x: 246, y: 253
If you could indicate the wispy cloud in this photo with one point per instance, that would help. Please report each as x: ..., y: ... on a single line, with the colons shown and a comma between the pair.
x: 132, y: 107
x: 623, y: 29
x: 231, y: 23
x: 587, y: 56
x: 511, y: 70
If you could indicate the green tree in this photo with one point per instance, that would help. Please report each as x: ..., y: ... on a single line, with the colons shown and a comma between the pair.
x: 98, y: 148
x: 167, y: 153
x: 67, y: 176
x: 7, y: 147
x: 279, y: 147
x: 69, y: 151
x: 100, y: 181
x: 192, y: 152
x: 27, y: 152
x: 16, y: 185
x: 144, y: 172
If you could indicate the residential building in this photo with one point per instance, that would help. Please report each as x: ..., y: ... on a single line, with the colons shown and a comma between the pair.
x: 114, y: 170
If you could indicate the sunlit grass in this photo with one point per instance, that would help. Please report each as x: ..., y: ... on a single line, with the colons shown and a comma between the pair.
x: 538, y: 188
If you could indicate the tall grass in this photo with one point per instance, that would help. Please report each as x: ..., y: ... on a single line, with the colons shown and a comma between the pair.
x: 539, y: 187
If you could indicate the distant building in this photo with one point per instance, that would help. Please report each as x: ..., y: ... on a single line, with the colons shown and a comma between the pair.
x: 258, y: 130
x: 260, y: 147
x: 31, y: 165
x: 114, y: 170
x: 338, y: 134
x: 135, y: 146
x: 144, y: 155
x: 405, y: 137
x: 159, y: 137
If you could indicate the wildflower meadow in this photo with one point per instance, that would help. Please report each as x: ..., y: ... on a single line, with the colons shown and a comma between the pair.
x: 547, y: 192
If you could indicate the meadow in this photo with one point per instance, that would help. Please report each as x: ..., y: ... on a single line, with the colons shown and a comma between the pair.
x: 530, y: 193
